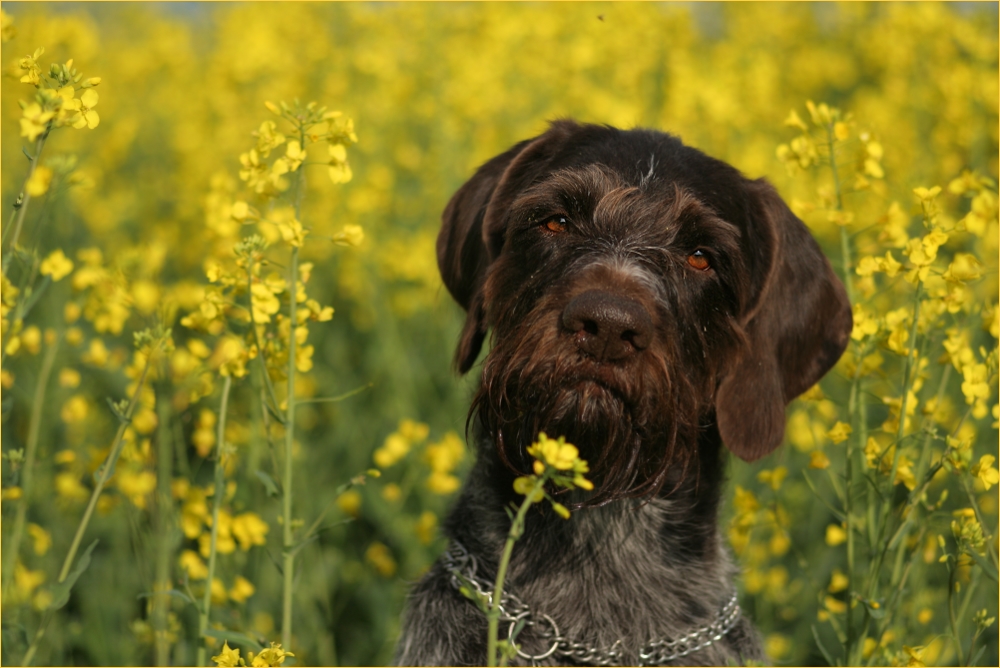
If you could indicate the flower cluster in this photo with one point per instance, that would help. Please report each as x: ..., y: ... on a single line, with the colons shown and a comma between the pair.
x: 556, y: 461
x: 55, y: 103
x: 270, y: 656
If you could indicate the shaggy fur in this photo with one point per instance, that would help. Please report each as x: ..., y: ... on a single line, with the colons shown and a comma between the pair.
x: 650, y: 304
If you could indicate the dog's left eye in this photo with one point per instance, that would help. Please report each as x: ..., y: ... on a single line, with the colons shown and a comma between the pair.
x: 699, y: 260
x: 556, y: 224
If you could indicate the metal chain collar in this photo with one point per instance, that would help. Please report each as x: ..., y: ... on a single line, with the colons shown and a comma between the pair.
x: 463, y: 568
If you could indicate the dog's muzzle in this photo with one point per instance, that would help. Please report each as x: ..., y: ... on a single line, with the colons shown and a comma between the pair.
x: 606, y: 326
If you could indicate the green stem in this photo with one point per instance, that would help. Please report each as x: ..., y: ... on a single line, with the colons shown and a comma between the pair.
x: 106, y: 470
x: 951, y: 615
x: 845, y: 255
x: 288, y: 538
x: 25, y: 198
x: 220, y: 493
x: 28, y: 467
x: 102, y: 480
x: 516, y: 529
x: 164, y: 528
x: 887, y: 513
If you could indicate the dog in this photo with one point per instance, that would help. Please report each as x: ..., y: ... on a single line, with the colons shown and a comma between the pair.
x: 656, y: 308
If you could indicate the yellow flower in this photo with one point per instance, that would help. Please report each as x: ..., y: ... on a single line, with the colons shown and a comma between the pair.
x: 339, y: 169
x: 7, y: 30
x: 974, y: 385
x: 224, y: 542
x: 264, y: 303
x: 34, y: 121
x: 777, y: 646
x: 69, y: 487
x: 228, y: 658
x: 964, y: 267
x: 379, y: 556
x: 395, y: 447
x: 773, y: 478
x: 69, y: 378
x: 218, y: 591
x: 294, y: 156
x: 914, y: 654
x: 818, y: 460
x: 25, y: 582
x: 136, y: 486
x: 835, y: 606
x: 744, y: 501
x: 75, y: 409
x: 557, y: 453
x: 249, y: 529
x: 838, y: 581
x: 835, y: 535
x: 29, y: 65
x: 272, y: 656
x: 31, y: 339
x: 793, y: 120
x: 190, y: 561
x: 779, y: 543
x: 84, y: 106
x: 425, y: 527
x: 524, y: 484
x: 41, y: 539
x: 840, y: 432
x: 350, y: 502
x: 392, y: 492
x: 291, y: 230
x: 442, y: 483
x: 268, y: 138
x: 38, y: 184
x: 242, y: 589
x: 984, y: 470
x: 445, y: 455
x: 350, y: 235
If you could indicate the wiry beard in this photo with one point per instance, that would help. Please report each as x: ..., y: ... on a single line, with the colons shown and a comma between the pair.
x: 636, y: 424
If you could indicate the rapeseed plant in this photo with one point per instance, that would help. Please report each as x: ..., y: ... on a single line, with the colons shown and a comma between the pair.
x: 162, y: 195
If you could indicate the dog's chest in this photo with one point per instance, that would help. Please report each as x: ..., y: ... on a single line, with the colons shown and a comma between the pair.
x: 621, y: 573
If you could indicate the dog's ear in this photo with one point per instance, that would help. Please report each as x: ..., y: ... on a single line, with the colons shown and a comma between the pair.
x: 797, y: 328
x: 474, y: 225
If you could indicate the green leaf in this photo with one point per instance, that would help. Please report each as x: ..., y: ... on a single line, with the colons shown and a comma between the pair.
x: 60, y: 592
x: 269, y: 484
x: 34, y: 296
x: 876, y: 613
x: 822, y: 649
x: 984, y: 563
x: 235, y: 638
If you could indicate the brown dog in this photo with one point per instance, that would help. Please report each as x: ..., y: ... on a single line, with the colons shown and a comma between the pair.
x: 650, y: 304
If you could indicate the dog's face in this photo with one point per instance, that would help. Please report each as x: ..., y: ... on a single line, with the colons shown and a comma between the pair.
x: 638, y: 291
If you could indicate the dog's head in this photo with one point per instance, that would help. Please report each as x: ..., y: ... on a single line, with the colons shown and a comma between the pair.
x: 637, y: 290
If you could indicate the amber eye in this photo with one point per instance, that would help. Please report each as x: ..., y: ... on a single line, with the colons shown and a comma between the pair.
x: 556, y: 224
x: 699, y: 260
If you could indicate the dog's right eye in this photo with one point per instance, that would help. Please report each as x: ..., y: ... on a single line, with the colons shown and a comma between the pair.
x: 556, y: 224
x: 699, y: 260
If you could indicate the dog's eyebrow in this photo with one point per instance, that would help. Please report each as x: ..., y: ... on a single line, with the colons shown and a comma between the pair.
x: 643, y: 180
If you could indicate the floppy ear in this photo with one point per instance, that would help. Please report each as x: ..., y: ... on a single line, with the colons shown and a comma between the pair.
x: 474, y: 225
x: 796, y: 330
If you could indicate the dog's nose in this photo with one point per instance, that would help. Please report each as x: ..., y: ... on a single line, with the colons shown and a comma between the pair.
x: 607, y: 326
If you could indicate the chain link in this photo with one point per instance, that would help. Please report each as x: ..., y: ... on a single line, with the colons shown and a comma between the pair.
x: 463, y: 568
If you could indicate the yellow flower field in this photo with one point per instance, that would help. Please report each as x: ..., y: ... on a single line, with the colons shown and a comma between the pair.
x: 230, y: 425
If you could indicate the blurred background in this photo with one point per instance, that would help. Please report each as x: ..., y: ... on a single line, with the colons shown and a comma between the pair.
x: 434, y: 90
